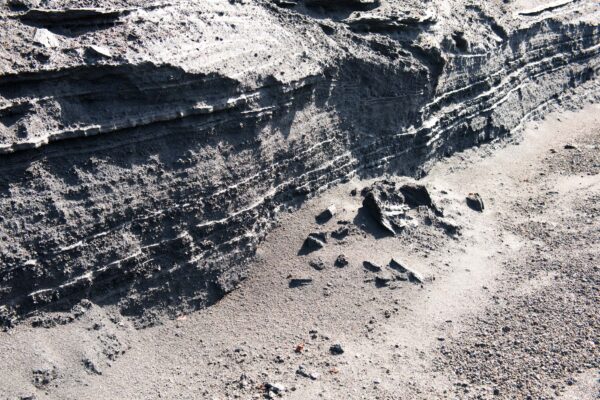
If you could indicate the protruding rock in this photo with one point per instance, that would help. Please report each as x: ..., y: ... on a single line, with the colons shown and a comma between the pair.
x: 46, y: 38
x: 388, y: 204
x: 98, y: 51
x: 353, y: 4
x: 475, y: 202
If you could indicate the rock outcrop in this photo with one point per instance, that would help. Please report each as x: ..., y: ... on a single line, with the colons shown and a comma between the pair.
x: 145, y: 175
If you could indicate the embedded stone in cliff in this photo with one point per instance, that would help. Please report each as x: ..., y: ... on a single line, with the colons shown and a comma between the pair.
x: 98, y: 51
x: 352, y: 4
x: 286, y: 3
x: 71, y: 16
x: 46, y: 38
x: 475, y: 202
x: 373, y: 22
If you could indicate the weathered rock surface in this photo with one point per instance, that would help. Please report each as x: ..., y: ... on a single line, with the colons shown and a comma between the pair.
x: 147, y: 178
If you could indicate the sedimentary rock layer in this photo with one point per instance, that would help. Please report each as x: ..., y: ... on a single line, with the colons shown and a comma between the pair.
x: 142, y: 160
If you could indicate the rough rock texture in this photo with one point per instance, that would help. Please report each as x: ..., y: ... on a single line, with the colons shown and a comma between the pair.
x: 145, y: 174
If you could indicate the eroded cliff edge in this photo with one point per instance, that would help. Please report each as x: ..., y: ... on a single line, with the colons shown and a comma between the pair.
x: 146, y: 149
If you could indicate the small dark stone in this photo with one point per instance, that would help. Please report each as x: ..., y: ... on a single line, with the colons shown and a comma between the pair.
x: 412, y: 275
x: 570, y: 146
x: 326, y: 215
x: 341, y: 261
x: 299, y: 282
x: 384, y: 278
x: 314, y: 242
x: 336, y: 349
x: 371, y: 266
x: 475, y: 202
x: 91, y: 366
x: 340, y: 233
x: 416, y: 195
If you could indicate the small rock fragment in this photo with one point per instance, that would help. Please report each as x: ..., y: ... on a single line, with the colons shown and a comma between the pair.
x: 341, y: 261
x: 413, y: 276
x: 570, y: 146
x: 340, y: 233
x: 91, y: 366
x: 326, y: 215
x: 336, y: 349
x: 276, y: 388
x: 314, y: 242
x: 299, y: 282
x: 475, y: 202
x: 384, y: 278
x: 317, y: 264
x: 372, y: 266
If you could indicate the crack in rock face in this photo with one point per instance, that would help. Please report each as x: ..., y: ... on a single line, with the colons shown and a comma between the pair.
x: 145, y: 151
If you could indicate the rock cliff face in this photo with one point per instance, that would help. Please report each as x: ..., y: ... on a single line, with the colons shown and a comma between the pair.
x: 146, y: 150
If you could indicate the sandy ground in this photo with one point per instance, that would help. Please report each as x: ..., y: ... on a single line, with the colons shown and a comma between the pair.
x: 508, y: 309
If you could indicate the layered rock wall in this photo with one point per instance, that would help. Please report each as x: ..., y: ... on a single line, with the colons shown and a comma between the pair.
x: 141, y: 170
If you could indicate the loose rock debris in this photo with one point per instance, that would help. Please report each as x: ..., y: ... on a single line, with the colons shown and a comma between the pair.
x: 314, y: 242
x: 475, y: 202
x: 326, y: 215
x: 389, y: 204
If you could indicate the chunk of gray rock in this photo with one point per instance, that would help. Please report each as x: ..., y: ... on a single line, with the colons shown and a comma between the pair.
x: 299, y: 282
x: 314, y: 242
x: 317, y: 264
x: 413, y: 276
x: 46, y: 38
x: 341, y: 261
x: 384, y: 278
x: 98, y: 51
x: 326, y: 215
x: 475, y: 202
x: 369, y: 266
x: 336, y: 349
